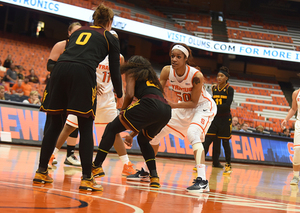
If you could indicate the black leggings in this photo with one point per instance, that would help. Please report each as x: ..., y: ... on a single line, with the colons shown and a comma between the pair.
x: 216, y: 148
x: 86, y: 143
x: 108, y: 139
x: 227, y: 150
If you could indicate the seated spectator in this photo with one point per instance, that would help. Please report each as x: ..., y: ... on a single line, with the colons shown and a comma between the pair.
x: 2, y: 92
x: 285, y: 133
x: 20, y: 72
x: 244, y: 127
x: 235, y: 121
x: 2, y: 69
x: 18, y: 88
x: 33, y: 77
x: 33, y: 98
x: 47, y: 79
x: 259, y: 129
x: 11, y: 75
x: 8, y: 61
x: 27, y: 87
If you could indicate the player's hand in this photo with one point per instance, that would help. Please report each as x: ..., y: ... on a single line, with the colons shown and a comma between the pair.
x: 120, y: 102
x: 100, y: 89
x: 283, y: 124
x: 128, y: 140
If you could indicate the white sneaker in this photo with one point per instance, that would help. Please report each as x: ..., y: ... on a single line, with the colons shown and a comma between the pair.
x: 294, y: 181
x: 72, y: 160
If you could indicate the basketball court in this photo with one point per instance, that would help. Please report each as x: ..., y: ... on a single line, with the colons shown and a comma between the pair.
x: 250, y: 188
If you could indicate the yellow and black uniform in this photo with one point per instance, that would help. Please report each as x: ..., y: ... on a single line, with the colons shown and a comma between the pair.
x: 146, y: 117
x: 221, y: 126
x: 72, y: 90
x: 140, y: 116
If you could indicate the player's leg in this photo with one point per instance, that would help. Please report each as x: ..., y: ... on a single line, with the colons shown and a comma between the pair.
x: 49, y: 141
x: 296, y: 158
x: 216, y: 153
x: 71, y: 159
x: 227, y: 150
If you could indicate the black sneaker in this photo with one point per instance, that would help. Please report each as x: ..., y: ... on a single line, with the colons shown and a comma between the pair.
x: 140, y: 175
x: 199, y: 185
x: 218, y: 166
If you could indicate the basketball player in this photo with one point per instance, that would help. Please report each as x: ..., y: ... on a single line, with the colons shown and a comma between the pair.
x: 56, y: 51
x: 73, y: 90
x: 142, y: 83
x: 106, y: 112
x: 220, y: 128
x: 191, y: 116
x: 296, y: 160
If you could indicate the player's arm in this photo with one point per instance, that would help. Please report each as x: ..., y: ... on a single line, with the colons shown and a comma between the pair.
x: 293, y: 109
x: 56, y: 51
x: 198, y: 82
x: 114, y: 63
x: 129, y: 95
x: 164, y: 76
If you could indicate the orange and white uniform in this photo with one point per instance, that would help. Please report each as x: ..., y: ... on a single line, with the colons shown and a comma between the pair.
x: 106, y: 105
x: 182, y: 118
x: 297, y: 124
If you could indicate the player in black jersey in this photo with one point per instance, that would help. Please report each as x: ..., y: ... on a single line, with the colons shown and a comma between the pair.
x: 220, y: 128
x: 73, y: 89
x: 146, y: 117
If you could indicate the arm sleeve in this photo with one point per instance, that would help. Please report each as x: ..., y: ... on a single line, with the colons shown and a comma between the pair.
x: 50, y: 65
x: 114, y: 63
x: 226, y: 107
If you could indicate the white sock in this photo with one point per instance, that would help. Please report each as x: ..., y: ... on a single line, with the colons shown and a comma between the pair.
x: 296, y: 173
x: 201, y: 171
x: 55, y: 151
x: 124, y: 159
x: 145, y: 167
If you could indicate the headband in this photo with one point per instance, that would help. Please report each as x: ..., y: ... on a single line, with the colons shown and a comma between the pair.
x: 182, y: 49
x: 225, y: 73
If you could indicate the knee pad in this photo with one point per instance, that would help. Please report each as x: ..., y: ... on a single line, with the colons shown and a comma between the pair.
x: 199, y: 148
x: 193, y: 134
x: 296, y: 160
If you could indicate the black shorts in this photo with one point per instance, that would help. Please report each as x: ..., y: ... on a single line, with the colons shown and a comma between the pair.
x: 221, y: 127
x: 72, y: 89
x: 147, y: 114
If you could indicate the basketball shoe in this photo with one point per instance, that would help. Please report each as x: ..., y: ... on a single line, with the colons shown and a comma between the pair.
x: 72, y: 160
x: 140, y: 175
x: 97, y: 171
x: 89, y: 184
x: 54, y: 160
x: 42, y: 177
x: 294, y: 181
x: 199, y: 185
x: 228, y: 169
x: 195, y: 169
x: 128, y: 169
x: 154, y: 182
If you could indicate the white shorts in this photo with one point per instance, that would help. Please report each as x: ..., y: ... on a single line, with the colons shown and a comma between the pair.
x: 105, y: 113
x: 182, y: 118
x: 297, y: 134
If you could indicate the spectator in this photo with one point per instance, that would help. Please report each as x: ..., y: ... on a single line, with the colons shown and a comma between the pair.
x: 2, y: 69
x: 285, y: 132
x: 18, y: 88
x: 47, y: 79
x: 20, y: 71
x: 235, y: 121
x: 2, y: 92
x: 244, y: 127
x: 8, y: 61
x: 27, y: 87
x: 33, y: 98
x: 11, y: 75
x: 33, y: 77
x: 259, y: 129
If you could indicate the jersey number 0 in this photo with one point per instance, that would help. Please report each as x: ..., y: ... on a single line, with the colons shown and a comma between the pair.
x: 83, y: 38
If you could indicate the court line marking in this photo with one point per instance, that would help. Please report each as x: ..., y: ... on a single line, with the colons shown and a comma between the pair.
x: 219, y: 197
x: 136, y: 209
